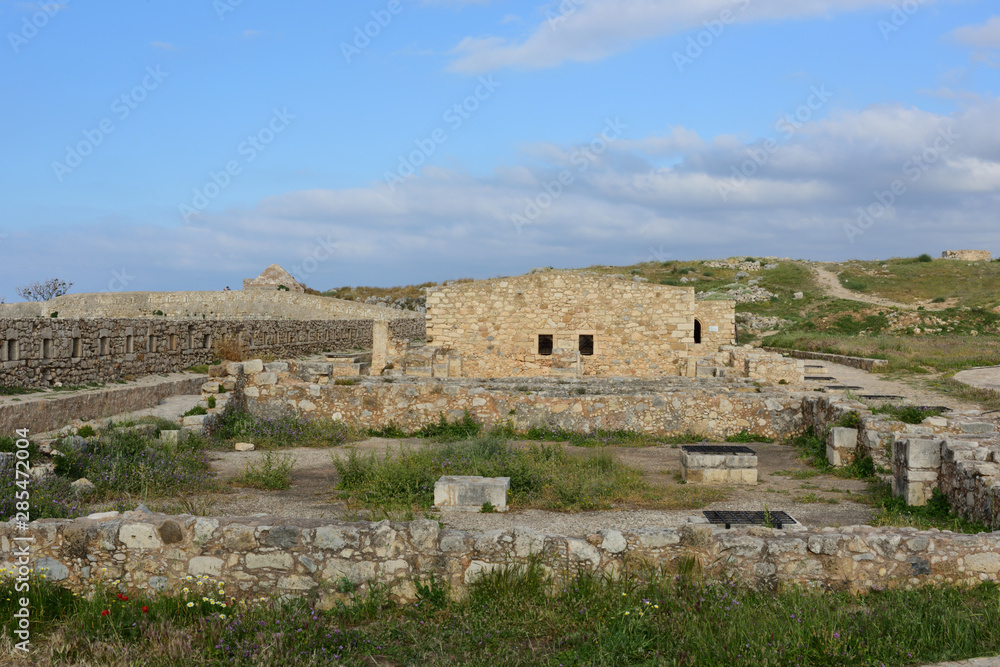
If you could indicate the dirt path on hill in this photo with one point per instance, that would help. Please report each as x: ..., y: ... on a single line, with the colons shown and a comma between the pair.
x: 831, y: 285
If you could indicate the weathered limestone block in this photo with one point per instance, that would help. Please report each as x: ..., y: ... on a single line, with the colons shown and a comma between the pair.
x: 916, y: 468
x: 841, y: 446
x: 701, y: 468
x: 470, y: 493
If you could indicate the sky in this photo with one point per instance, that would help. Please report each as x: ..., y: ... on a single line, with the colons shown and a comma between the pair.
x: 188, y: 145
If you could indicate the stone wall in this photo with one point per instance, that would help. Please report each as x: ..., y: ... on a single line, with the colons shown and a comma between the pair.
x: 752, y: 362
x: 711, y: 407
x: 638, y: 329
x: 870, y: 365
x: 252, y: 304
x: 967, y: 255
x: 45, y: 412
x: 269, y: 555
x: 40, y: 352
x: 958, y: 455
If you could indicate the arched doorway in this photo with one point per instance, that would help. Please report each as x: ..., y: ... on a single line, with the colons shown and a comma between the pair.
x: 697, y: 332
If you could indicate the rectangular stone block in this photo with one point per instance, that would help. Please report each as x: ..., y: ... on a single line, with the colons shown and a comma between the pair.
x: 841, y: 445
x: 468, y: 493
x: 923, y: 453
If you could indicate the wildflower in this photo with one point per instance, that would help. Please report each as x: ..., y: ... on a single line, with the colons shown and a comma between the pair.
x: 190, y: 604
x: 836, y: 635
x: 105, y: 612
x: 145, y: 609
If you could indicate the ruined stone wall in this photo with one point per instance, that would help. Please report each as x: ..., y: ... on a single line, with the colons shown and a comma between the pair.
x: 958, y: 455
x: 270, y: 555
x: 639, y: 330
x: 40, y: 352
x: 252, y: 304
x: 968, y: 255
x: 711, y: 407
x: 45, y: 412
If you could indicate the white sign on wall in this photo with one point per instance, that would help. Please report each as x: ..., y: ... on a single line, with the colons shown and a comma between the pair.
x: 713, y: 329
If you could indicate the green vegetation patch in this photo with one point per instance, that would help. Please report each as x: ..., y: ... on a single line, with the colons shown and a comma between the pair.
x: 517, y: 616
x: 909, y: 414
x: 543, y: 476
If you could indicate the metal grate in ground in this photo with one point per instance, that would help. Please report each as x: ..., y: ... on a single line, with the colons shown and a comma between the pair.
x: 747, y: 518
x: 717, y: 449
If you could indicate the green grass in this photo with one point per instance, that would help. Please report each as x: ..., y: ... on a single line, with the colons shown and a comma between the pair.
x: 542, y: 476
x: 746, y: 436
x: 908, y: 414
x: 272, y: 472
x: 515, y: 616
x: 284, y: 430
x: 195, y: 411
x: 907, y: 354
x: 937, y: 513
x: 19, y: 391
x: 909, y: 280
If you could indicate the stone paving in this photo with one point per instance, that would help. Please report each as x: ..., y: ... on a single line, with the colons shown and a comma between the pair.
x: 983, y: 378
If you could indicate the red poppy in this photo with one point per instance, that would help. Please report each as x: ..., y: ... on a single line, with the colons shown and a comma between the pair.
x: 105, y: 612
x: 124, y: 598
x: 145, y: 609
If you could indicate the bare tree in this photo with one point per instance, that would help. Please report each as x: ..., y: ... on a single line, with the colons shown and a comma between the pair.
x: 43, y: 291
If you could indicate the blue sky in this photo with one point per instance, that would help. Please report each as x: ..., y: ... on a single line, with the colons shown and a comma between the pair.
x: 187, y: 145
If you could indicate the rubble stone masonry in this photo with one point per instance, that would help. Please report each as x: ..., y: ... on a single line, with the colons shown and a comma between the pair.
x: 636, y: 329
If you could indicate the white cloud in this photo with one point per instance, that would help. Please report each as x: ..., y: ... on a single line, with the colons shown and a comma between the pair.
x: 579, y: 31
x: 985, y: 36
x: 446, y: 223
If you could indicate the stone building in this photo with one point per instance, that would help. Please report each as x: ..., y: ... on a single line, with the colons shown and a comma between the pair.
x: 563, y: 323
x: 968, y: 255
x: 273, y: 277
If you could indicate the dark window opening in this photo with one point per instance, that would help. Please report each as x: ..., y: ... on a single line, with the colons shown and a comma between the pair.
x: 12, y: 350
x: 586, y: 345
x: 697, y: 332
x: 545, y: 344
x: 105, y: 346
x: 129, y: 345
x: 47, y: 348
x: 77, y: 348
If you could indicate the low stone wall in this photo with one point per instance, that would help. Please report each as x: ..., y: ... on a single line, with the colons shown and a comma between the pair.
x: 48, y: 413
x: 40, y: 352
x: 711, y: 407
x: 269, y: 555
x: 251, y: 304
x: 870, y: 365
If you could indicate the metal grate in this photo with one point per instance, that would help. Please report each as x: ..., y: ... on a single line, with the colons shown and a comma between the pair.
x: 717, y: 449
x: 778, y: 519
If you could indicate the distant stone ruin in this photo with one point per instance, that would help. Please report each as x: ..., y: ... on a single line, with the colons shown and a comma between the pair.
x: 273, y: 278
x: 968, y: 255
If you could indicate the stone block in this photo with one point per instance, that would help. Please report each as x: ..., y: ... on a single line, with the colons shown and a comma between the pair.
x: 470, y: 493
x: 234, y: 368
x: 276, y: 367
x: 244, y: 447
x: 978, y: 427
x: 267, y: 378
x: 841, y: 445
x: 253, y: 366
x: 923, y: 453
x: 702, y: 468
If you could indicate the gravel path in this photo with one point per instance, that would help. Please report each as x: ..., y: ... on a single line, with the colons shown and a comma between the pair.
x: 872, y: 383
